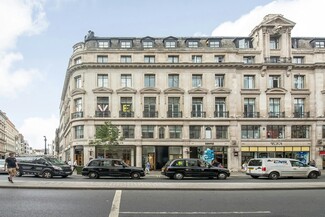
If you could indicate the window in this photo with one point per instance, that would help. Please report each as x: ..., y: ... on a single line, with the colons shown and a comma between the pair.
x: 300, y: 131
x: 126, y: 80
x: 147, y: 44
x: 208, y: 133
x: 320, y: 44
x: 126, y: 59
x: 323, y: 132
x: 274, y: 108
x: 77, y: 82
x: 193, y: 44
x: 103, y: 44
x: 126, y: 104
x: 219, y: 80
x: 197, y: 107
x: 147, y: 131
x: 78, y: 105
x: 102, y: 107
x: 173, y: 59
x: 149, y: 80
x: 128, y: 131
x: 275, y: 131
x: 219, y: 58
x: 126, y: 44
x: 274, y: 81
x: 221, y: 132
x: 149, y: 59
x: 243, y: 43
x: 102, y: 59
x: 249, y: 81
x: 102, y: 80
x: 299, y: 106
x: 79, y: 132
x: 174, y: 107
x: 175, y: 132
x: 77, y: 60
x: 161, y: 132
x: 250, y: 132
x: 196, y: 59
x: 220, y: 107
x: 195, y: 132
x: 274, y: 43
x: 299, y: 81
x: 248, y: 59
x: 214, y: 43
x: 196, y: 80
x: 149, y: 109
x: 298, y: 60
x: 173, y: 80
x: 275, y: 59
x: 249, y: 108
x: 170, y: 44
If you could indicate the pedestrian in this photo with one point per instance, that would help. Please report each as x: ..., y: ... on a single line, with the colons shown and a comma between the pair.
x: 215, y: 163
x: 244, y: 166
x: 75, y: 164
x: 11, y: 166
x: 70, y: 164
x: 147, y: 170
x: 312, y: 163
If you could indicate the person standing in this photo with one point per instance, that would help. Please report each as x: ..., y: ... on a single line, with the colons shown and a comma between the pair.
x: 11, y: 166
x: 215, y: 163
x: 75, y: 164
x: 147, y: 170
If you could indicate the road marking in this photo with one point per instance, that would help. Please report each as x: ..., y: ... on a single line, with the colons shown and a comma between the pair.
x: 115, y: 209
x: 196, y: 213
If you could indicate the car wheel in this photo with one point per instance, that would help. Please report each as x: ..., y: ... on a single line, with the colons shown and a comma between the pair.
x: 222, y: 176
x: 93, y: 175
x: 135, y: 175
x: 47, y: 175
x: 178, y: 176
x: 19, y: 173
x: 254, y: 177
x: 313, y: 175
x: 274, y: 175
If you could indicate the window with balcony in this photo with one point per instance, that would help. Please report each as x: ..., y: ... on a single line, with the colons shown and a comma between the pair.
x: 126, y: 44
x: 149, y: 59
x: 126, y: 59
x: 78, y: 109
x: 175, y: 132
x: 77, y: 82
x: 174, y: 107
x: 102, y: 80
x: 274, y: 108
x: 79, y: 132
x: 147, y: 131
x: 102, y: 59
x: 126, y: 107
x: 197, y: 107
x: 221, y: 132
x: 149, y: 107
x: 173, y: 80
x: 299, y: 106
x: 195, y: 132
x: 126, y: 80
x: 219, y: 58
x: 220, y: 107
x: 274, y: 81
x: 149, y: 80
x: 128, y: 131
x: 103, y: 44
x: 173, y: 59
x: 219, y: 80
x: 274, y: 43
x: 249, y: 81
x: 214, y: 43
x: 298, y: 60
x: 249, y: 108
x: 300, y: 132
x: 193, y: 44
x: 299, y: 81
x: 102, y: 107
x: 275, y: 59
x: 147, y: 44
x: 196, y: 59
x: 196, y: 80
x: 250, y: 132
x: 275, y: 131
x: 248, y: 59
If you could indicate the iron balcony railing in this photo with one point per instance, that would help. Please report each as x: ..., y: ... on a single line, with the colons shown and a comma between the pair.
x: 278, y: 60
x: 197, y: 114
x: 220, y: 114
x: 251, y: 114
x: 77, y: 115
x: 126, y: 114
x: 171, y: 114
x: 150, y: 114
x: 276, y: 114
x: 301, y: 115
x: 102, y: 114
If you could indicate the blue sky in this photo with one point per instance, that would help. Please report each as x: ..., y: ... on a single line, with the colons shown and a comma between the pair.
x: 37, y: 37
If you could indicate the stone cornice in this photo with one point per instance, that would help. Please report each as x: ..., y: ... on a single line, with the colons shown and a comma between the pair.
x: 102, y: 90
x: 77, y: 91
x: 276, y: 91
x: 126, y: 90
x: 198, y: 90
x: 150, y: 90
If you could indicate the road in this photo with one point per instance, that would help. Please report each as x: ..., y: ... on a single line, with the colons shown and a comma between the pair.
x: 133, y: 203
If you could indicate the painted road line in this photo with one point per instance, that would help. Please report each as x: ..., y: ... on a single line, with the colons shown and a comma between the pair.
x: 115, y: 209
x: 199, y: 213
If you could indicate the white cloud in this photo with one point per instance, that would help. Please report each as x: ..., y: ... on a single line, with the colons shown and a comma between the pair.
x: 307, y: 14
x: 34, y: 129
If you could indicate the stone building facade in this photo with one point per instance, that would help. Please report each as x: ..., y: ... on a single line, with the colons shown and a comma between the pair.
x: 260, y: 95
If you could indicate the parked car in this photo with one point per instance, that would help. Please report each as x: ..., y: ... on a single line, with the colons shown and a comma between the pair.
x: 99, y: 167
x: 44, y: 166
x: 2, y: 166
x: 191, y: 167
x: 274, y: 168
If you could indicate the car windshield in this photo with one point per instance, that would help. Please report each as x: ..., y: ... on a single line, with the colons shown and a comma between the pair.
x: 2, y: 162
x: 255, y: 163
x: 55, y: 161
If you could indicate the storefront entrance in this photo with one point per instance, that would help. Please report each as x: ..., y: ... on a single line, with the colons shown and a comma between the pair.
x: 220, y: 153
x: 119, y: 152
x: 159, y: 155
x: 78, y: 155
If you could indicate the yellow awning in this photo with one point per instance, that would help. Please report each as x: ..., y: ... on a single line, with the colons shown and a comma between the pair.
x: 244, y: 148
x: 304, y: 148
x: 270, y: 148
x: 296, y: 148
x: 288, y: 148
x: 261, y: 148
x: 279, y: 148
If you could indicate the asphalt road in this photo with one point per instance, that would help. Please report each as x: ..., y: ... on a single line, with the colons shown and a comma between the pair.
x: 104, y: 203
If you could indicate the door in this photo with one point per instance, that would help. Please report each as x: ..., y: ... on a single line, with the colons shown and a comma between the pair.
x: 299, y: 169
x: 161, y: 156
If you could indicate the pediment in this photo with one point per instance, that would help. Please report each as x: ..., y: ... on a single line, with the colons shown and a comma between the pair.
x: 150, y: 90
x: 102, y: 90
x: 77, y: 91
x: 126, y: 90
x: 174, y: 90
x: 221, y: 90
x: 198, y: 90
x: 279, y: 90
x: 300, y: 92
x: 277, y: 19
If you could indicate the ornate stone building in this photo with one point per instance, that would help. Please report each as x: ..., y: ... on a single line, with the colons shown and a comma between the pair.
x: 254, y: 96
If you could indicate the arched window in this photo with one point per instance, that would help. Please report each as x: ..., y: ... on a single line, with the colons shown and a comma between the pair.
x: 208, y: 133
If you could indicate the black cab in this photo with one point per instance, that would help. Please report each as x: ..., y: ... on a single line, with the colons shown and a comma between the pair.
x: 44, y: 166
x: 192, y: 167
x: 111, y: 167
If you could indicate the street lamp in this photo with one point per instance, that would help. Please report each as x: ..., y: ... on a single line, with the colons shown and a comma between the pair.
x: 45, y: 144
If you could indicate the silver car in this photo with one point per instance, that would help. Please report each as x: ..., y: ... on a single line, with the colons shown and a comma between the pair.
x: 2, y: 166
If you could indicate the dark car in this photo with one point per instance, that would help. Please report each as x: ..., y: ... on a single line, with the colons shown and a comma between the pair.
x: 44, y: 166
x: 111, y: 167
x: 191, y: 167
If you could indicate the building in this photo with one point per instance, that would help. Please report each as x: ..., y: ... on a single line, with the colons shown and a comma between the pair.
x: 3, y: 118
x: 253, y: 96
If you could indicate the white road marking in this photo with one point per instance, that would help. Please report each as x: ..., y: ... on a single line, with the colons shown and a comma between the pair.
x: 196, y: 213
x: 115, y: 209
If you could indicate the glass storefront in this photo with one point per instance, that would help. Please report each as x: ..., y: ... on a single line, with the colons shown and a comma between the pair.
x: 159, y: 155
x: 220, y: 153
x: 120, y: 152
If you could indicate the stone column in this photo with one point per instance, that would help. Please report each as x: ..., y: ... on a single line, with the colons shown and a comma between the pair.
x: 138, y: 156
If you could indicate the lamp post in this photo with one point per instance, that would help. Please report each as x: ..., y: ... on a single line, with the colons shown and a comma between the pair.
x: 45, y: 145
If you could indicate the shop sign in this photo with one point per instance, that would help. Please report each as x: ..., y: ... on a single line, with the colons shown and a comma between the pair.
x: 321, y: 152
x: 276, y: 143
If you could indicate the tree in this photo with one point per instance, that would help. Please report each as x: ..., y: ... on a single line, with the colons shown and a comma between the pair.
x: 108, y: 135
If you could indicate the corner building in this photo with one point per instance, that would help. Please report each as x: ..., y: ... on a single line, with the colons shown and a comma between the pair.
x: 243, y: 97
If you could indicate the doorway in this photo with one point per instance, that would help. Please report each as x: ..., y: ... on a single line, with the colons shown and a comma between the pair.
x: 161, y: 156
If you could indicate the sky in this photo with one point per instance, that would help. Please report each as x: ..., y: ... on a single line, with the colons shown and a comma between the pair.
x: 37, y: 37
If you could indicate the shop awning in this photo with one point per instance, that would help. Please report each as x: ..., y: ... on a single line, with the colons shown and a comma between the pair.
x: 321, y: 152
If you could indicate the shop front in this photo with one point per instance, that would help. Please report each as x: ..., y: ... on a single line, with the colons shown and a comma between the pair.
x: 220, y: 153
x: 159, y: 155
x: 126, y: 153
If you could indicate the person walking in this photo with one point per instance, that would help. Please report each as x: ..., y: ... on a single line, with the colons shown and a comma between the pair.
x: 75, y: 164
x: 215, y: 163
x: 11, y: 166
x: 147, y: 170
x: 244, y: 166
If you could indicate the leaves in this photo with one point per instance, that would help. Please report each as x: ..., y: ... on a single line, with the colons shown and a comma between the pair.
x: 107, y: 134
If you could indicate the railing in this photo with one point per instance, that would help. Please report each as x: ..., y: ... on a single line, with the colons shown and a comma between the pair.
x: 126, y: 114
x: 278, y: 60
x: 221, y: 114
x: 276, y: 114
x: 174, y: 114
x: 196, y: 114
x: 251, y: 114
x: 301, y: 115
x: 77, y: 115
x: 102, y: 114
x: 150, y: 114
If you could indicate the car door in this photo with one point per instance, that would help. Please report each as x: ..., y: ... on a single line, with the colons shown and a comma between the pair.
x: 106, y: 167
x: 299, y: 169
x: 39, y: 165
x: 204, y: 169
x: 191, y: 168
x: 117, y: 168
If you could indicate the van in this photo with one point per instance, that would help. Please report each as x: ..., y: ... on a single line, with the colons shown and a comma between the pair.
x: 44, y: 166
x: 273, y: 168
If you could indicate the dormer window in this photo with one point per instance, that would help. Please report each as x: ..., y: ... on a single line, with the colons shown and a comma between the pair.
x: 320, y: 44
x: 243, y: 43
x: 214, y: 43
x: 103, y: 44
x: 126, y: 44
x: 192, y: 44
x: 170, y: 42
x: 147, y: 44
